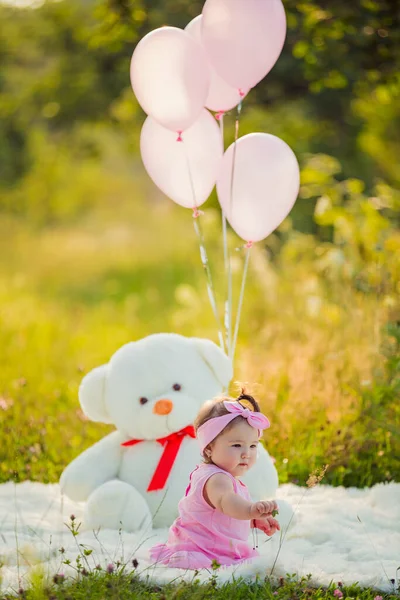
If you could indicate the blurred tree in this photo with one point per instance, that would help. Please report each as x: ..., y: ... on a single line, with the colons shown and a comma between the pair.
x: 67, y: 62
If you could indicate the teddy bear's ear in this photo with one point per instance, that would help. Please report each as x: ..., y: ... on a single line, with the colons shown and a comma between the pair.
x: 92, y: 396
x: 216, y: 359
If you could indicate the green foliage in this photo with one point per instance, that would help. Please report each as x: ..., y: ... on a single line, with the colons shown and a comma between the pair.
x: 68, y: 62
x: 119, y: 581
x: 366, y: 241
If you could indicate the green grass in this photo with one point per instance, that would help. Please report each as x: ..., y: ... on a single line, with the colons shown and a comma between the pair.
x: 119, y: 580
x: 122, y: 583
x: 309, y: 347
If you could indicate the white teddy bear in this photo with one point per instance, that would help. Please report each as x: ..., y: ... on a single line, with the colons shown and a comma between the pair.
x: 151, y: 390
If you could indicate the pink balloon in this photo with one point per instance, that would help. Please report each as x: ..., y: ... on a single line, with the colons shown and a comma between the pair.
x: 265, y: 184
x: 185, y: 171
x: 243, y: 38
x: 221, y: 96
x: 170, y: 77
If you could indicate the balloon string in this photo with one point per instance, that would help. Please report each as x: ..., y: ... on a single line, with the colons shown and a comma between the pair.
x: 203, y: 255
x: 227, y: 265
x: 210, y: 286
x: 237, y: 122
x: 248, y: 247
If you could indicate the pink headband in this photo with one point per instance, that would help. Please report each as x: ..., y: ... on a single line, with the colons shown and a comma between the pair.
x: 207, y: 432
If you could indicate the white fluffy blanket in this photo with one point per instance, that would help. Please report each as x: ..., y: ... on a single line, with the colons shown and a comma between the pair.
x: 338, y: 534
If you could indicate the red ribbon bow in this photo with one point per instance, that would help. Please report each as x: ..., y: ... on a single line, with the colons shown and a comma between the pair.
x: 171, y: 444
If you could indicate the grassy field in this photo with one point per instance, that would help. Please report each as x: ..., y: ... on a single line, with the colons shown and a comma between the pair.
x: 117, y: 585
x: 310, y: 347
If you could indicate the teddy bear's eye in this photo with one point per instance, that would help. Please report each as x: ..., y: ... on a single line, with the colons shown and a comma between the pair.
x: 177, y: 387
x: 143, y: 400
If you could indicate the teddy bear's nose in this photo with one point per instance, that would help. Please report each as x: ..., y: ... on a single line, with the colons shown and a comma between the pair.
x: 163, y: 407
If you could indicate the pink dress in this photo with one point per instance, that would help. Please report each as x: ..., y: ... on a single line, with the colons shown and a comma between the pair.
x: 201, y: 533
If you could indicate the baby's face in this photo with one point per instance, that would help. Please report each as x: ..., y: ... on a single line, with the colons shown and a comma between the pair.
x: 235, y: 450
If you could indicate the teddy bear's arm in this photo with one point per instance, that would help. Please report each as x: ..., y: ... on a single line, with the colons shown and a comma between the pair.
x: 92, y: 468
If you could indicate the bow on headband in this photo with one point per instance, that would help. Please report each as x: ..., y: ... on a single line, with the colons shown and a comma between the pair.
x: 255, y: 419
x: 207, y: 432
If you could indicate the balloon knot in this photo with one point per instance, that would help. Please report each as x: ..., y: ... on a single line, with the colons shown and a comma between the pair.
x: 197, y: 213
x: 179, y: 138
x: 241, y: 93
x: 219, y: 114
x: 249, y: 245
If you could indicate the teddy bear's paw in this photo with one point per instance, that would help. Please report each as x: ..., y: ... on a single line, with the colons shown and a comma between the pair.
x: 286, y: 516
x: 117, y: 505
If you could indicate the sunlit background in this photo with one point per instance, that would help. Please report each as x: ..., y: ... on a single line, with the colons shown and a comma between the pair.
x: 93, y: 256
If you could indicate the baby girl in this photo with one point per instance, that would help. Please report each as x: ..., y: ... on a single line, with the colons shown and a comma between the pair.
x: 216, y: 514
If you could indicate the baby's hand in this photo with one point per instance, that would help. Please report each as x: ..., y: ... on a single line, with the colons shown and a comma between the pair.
x: 268, y: 525
x: 263, y: 509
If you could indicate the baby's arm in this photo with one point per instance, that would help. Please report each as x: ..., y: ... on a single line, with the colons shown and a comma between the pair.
x: 219, y: 491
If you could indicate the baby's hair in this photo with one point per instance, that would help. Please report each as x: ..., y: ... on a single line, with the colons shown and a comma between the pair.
x: 215, y: 408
